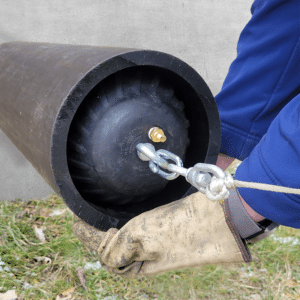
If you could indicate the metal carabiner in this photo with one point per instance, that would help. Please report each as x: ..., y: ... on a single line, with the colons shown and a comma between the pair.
x: 158, y: 159
x: 166, y: 155
x: 198, y: 176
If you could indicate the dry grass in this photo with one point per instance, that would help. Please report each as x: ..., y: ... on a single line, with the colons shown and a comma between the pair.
x: 274, y: 273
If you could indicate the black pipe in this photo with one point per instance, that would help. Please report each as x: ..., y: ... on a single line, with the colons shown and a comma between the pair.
x: 45, y: 88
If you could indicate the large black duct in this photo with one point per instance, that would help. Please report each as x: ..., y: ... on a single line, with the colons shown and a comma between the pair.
x: 78, y: 112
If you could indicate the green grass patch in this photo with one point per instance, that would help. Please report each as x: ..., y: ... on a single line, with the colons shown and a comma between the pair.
x: 38, y: 270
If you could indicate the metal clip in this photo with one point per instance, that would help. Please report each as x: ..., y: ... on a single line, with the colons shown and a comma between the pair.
x: 157, y: 159
x: 198, y: 176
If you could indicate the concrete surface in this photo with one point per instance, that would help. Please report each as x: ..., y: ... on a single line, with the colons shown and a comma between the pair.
x: 203, y: 33
x: 18, y: 179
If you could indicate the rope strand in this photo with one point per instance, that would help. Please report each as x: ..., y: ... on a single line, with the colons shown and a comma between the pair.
x: 218, y: 189
x: 266, y: 187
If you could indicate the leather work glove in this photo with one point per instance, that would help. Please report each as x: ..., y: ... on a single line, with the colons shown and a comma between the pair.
x: 190, y: 232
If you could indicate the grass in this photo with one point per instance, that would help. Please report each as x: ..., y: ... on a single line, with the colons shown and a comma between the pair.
x: 273, y: 274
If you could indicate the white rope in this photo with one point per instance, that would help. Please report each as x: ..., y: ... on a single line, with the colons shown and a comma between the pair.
x: 218, y: 189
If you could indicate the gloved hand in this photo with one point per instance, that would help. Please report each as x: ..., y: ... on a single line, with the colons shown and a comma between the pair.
x: 190, y: 232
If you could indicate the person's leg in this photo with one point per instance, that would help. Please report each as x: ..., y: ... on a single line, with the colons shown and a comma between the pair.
x: 263, y: 78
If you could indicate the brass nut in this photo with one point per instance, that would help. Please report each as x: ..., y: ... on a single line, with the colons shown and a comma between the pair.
x: 157, y: 135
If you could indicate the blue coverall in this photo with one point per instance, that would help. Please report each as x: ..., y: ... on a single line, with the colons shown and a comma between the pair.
x: 259, y: 107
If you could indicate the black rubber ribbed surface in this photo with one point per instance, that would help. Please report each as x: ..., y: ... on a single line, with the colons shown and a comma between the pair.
x: 119, y: 89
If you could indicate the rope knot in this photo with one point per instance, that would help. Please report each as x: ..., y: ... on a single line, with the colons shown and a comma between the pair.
x: 218, y: 189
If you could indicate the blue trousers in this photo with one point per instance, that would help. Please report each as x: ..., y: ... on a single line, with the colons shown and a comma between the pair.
x: 259, y: 107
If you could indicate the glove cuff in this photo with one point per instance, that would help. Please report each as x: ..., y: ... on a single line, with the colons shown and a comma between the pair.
x: 248, y: 229
x: 245, y: 225
x: 233, y: 228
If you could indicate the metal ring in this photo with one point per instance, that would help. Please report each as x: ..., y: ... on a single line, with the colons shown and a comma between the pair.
x: 165, y: 155
x: 207, y: 168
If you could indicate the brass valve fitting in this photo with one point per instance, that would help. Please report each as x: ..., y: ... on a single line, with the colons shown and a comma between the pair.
x: 157, y: 135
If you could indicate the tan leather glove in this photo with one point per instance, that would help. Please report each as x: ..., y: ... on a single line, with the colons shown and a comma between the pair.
x: 190, y: 232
